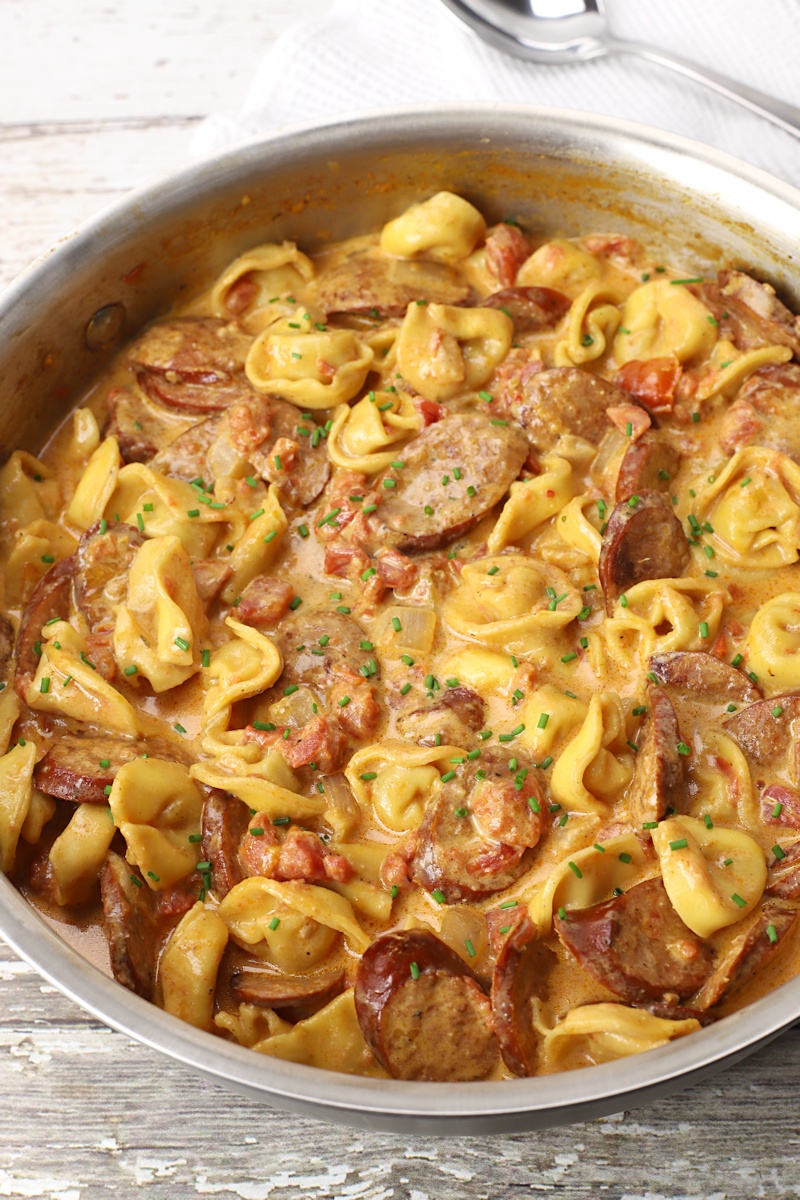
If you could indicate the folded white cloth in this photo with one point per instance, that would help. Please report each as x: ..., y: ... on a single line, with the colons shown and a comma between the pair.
x: 369, y: 54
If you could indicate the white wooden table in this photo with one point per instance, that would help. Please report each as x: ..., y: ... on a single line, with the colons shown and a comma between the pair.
x: 95, y: 99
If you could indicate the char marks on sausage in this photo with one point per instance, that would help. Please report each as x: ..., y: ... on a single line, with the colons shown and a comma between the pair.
x: 658, y: 775
x: 637, y: 946
x: 379, y: 287
x: 520, y: 977
x: 422, y: 1011
x: 750, y: 949
x: 192, y: 363
x: 295, y: 997
x: 488, y: 458
x: 641, y: 541
x: 129, y: 919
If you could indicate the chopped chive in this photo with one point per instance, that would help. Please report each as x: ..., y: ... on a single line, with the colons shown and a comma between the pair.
x: 736, y: 660
x: 135, y: 880
x: 565, y: 658
x: 600, y: 848
x: 291, y: 689
x: 778, y: 851
x: 448, y: 775
x: 772, y: 933
x: 302, y: 530
x: 470, y: 947
x: 738, y: 900
x: 181, y: 643
x: 438, y: 895
x: 546, y: 763
x: 484, y: 734
x: 533, y: 804
x: 414, y: 969
x: 397, y: 624
x: 193, y: 512
x: 461, y: 812
x: 624, y: 857
x: 343, y: 703
x: 274, y: 923
x: 295, y: 603
x: 104, y: 526
x: 649, y: 824
x: 680, y: 844
x: 777, y: 810
x: 543, y: 719
x: 584, y: 613
x: 132, y: 670
x: 575, y: 869
x: 178, y: 727
x: 395, y: 891
x: 694, y: 279
x: 709, y: 824
x: 44, y: 686
x: 777, y: 710
x: 703, y: 629
x: 342, y: 608
x: 682, y: 748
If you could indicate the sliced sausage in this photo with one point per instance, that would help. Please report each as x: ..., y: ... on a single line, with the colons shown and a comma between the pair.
x: 766, y: 412
x: 783, y: 877
x: 185, y: 456
x: 6, y: 643
x: 641, y: 541
x: 480, y: 460
x: 658, y: 776
x: 477, y: 834
x: 530, y: 308
x: 749, y: 312
x: 697, y: 675
x: 749, y: 951
x: 295, y: 997
x: 780, y: 805
x: 49, y: 599
x: 210, y: 577
x: 139, y: 432
x: 384, y: 287
x: 452, y: 716
x: 316, y: 647
x: 129, y: 920
x: 764, y: 738
x: 102, y: 564
x: 290, y: 454
x: 561, y: 400
x: 225, y: 822
x: 520, y: 976
x: 422, y: 1011
x: 192, y: 363
x: 650, y: 464
x: 79, y: 769
x: 637, y: 946
x: 652, y: 381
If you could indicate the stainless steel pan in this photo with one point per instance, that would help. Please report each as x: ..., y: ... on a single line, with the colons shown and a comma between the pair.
x: 559, y: 172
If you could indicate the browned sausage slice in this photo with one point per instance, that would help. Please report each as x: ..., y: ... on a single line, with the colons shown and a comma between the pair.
x: 530, y: 308
x: 139, y: 432
x: 79, y: 769
x: 749, y: 951
x: 129, y: 919
x: 452, y: 716
x: 783, y: 877
x: 765, y: 412
x: 637, y: 946
x: 293, y: 996
x: 6, y: 643
x: 478, y: 456
x: 520, y: 976
x: 766, y: 739
x: 316, y: 649
x: 225, y: 822
x: 422, y: 1011
x: 551, y: 403
x: 641, y: 541
x: 192, y: 363
x: 477, y: 834
x: 749, y: 312
x: 697, y: 675
x: 265, y: 601
x: 102, y: 564
x: 649, y: 464
x: 185, y: 456
x: 384, y: 287
x: 49, y: 599
x: 658, y: 776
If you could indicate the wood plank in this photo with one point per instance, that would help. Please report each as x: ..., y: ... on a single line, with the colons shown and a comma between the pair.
x: 87, y: 1114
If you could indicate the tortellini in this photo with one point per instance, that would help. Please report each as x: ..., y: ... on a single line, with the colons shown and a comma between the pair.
x: 513, y: 601
x: 401, y: 780
x: 331, y: 1038
x: 590, y: 876
x: 157, y: 808
x: 531, y: 502
x: 713, y: 877
x: 773, y: 642
x: 36, y: 548
x: 164, y: 506
x: 78, y: 853
x: 577, y: 530
x: 259, y: 281
x: 753, y: 506
x: 445, y: 228
x: 308, y: 919
x: 313, y: 368
x: 607, y: 1031
x: 260, y: 793
x: 243, y: 667
x: 68, y: 683
x: 593, y: 321
x: 189, y: 965
x: 444, y: 350
x: 726, y: 380
x: 560, y: 265
x: 257, y: 546
x: 596, y: 765
x: 160, y: 627
x: 359, y: 435
x: 96, y: 485
x: 16, y: 789
x: 719, y: 783
x: 659, y: 615
x: 481, y: 669
x: 663, y: 318
x: 565, y: 716
x: 28, y: 492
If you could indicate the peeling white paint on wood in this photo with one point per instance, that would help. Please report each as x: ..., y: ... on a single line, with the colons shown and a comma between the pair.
x: 97, y: 98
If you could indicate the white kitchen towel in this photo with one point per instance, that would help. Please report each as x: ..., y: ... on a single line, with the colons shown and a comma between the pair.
x: 368, y: 54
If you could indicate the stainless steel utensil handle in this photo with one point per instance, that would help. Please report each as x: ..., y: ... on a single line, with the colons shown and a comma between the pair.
x: 787, y: 116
